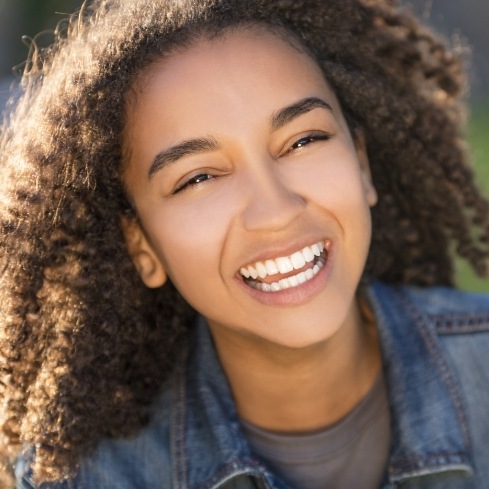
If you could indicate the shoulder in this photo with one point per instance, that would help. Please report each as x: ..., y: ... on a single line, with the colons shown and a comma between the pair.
x: 450, y: 307
x: 454, y: 325
x: 448, y: 310
x: 439, y: 336
x: 141, y: 461
x: 128, y: 463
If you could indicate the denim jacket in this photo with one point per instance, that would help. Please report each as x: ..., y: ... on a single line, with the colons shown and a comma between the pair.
x: 435, y: 346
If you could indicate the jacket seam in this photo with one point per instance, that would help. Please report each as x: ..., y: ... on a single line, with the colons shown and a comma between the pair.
x: 436, y: 353
x: 224, y: 474
x: 179, y: 412
x: 448, y: 324
x: 428, y: 463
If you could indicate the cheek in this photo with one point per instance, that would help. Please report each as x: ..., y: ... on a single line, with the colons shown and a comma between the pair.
x: 191, y: 238
x: 335, y: 183
x: 335, y: 188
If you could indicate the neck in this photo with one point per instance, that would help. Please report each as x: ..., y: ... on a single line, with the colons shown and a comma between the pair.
x: 300, y: 390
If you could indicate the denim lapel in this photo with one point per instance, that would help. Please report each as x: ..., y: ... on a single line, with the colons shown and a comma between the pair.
x: 429, y: 425
x: 208, y: 447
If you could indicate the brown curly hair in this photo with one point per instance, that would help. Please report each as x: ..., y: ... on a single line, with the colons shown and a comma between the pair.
x: 84, y: 345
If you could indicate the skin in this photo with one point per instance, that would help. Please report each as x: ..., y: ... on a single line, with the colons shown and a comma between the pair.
x: 297, y: 360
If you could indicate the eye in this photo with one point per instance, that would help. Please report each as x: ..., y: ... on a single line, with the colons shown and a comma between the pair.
x: 193, y: 181
x: 304, y: 141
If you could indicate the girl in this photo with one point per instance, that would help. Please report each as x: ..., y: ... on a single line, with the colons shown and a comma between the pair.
x: 227, y: 256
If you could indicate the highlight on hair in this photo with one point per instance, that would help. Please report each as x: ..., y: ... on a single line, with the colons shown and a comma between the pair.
x: 84, y: 346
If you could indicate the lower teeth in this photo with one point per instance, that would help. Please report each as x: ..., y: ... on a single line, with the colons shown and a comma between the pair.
x: 290, y: 282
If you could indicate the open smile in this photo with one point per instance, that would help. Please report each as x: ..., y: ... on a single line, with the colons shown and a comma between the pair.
x: 285, y: 272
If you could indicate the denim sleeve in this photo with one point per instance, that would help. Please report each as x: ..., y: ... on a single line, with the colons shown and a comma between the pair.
x: 138, y: 462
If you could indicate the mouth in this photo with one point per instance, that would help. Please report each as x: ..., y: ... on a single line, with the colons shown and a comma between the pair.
x: 285, y: 272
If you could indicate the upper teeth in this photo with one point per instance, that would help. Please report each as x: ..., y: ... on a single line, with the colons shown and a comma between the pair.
x: 283, y: 264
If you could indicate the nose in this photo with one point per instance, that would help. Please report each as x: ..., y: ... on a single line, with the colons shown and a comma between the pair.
x: 271, y: 203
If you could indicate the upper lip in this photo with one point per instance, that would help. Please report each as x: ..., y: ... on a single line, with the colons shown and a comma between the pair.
x: 282, y: 251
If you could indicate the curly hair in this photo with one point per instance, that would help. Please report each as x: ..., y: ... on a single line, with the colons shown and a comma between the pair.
x: 84, y: 346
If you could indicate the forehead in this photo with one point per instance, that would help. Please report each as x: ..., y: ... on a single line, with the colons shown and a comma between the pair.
x: 247, y: 53
x: 244, y: 43
x: 216, y: 85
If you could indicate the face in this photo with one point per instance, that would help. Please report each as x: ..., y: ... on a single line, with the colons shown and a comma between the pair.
x: 253, y: 198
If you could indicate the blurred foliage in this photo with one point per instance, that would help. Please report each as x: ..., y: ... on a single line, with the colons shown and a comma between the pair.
x: 42, y: 14
x: 479, y: 140
x: 35, y: 19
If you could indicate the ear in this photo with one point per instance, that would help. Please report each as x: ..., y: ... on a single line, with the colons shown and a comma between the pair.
x: 142, y: 255
x: 368, y: 186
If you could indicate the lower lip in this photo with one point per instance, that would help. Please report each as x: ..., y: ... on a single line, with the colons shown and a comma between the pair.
x: 294, y: 296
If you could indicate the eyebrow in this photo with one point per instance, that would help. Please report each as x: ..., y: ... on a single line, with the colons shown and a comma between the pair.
x: 185, y: 148
x: 287, y: 114
x: 202, y: 145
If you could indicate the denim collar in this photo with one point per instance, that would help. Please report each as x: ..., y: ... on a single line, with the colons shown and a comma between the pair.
x: 430, y: 430
x: 429, y: 426
x: 207, y: 444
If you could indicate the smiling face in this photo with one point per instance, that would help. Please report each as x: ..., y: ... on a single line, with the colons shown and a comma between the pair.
x: 252, y: 197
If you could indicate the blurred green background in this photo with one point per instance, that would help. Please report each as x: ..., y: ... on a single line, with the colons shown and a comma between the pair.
x: 463, y: 22
x: 478, y: 133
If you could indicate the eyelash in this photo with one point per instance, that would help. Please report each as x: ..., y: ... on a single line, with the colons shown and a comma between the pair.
x: 306, y: 140
x: 300, y: 143
x: 195, y: 180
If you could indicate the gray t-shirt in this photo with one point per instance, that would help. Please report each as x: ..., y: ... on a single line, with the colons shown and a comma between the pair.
x: 350, y: 454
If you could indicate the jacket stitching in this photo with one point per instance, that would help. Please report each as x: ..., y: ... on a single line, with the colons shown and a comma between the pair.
x: 180, y: 476
x: 463, y: 324
x: 431, y: 462
x: 445, y: 372
x: 234, y: 468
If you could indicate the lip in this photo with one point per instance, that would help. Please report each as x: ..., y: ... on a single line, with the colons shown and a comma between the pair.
x: 300, y: 294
